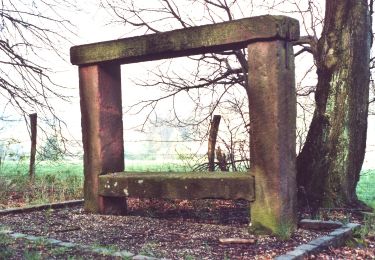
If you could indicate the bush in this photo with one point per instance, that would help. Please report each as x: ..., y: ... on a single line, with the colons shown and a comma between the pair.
x: 51, y: 151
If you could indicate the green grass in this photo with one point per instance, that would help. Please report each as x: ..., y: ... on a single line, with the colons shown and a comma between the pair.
x: 54, y: 181
x: 156, y: 166
x: 63, y: 180
x: 58, y: 181
x: 365, y: 187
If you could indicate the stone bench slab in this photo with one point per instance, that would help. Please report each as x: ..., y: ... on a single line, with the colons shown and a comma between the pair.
x: 193, y: 185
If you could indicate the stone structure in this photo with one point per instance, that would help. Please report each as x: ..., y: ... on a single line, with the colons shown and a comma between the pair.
x: 272, y: 119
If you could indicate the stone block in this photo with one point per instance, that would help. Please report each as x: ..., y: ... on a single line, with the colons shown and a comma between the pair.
x: 53, y: 241
x: 67, y: 244
x: 319, y: 224
x: 34, y: 238
x: 309, y: 248
x: 143, y: 257
x: 298, y: 253
x: 322, y: 242
x: 102, y: 250
x: 195, y: 185
x: 288, y: 257
x: 123, y: 253
x: 18, y: 235
x: 5, y: 231
x: 272, y: 102
x: 185, y: 42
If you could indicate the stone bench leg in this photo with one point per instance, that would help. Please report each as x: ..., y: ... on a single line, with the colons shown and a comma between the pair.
x: 102, y: 132
x: 273, y: 135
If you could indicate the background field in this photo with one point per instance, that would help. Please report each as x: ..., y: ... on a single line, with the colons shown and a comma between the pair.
x: 63, y: 180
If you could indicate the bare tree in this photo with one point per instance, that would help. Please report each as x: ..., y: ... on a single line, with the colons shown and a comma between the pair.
x: 31, y: 31
x: 221, y: 78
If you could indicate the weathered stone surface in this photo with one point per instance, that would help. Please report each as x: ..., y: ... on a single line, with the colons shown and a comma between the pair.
x: 143, y: 257
x: 272, y: 108
x: 272, y: 103
x: 308, y: 248
x: 102, y: 129
x: 190, y: 41
x: 33, y: 238
x: 335, y: 238
x: 322, y: 242
x: 341, y: 231
x: 67, y: 244
x: 53, y: 241
x: 125, y: 254
x: 17, y: 235
x: 41, y: 207
x: 102, y: 250
x: 340, y: 236
x: 319, y: 224
x: 353, y: 226
x: 288, y: 257
x: 298, y: 253
x: 196, y: 185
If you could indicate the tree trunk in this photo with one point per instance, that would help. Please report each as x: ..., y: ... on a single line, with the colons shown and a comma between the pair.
x: 330, y: 162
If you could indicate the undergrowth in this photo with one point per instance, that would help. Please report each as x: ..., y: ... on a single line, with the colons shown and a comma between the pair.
x: 53, y: 182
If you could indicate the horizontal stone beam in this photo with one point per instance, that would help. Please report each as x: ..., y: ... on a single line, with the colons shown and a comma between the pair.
x: 184, y: 42
x: 195, y: 185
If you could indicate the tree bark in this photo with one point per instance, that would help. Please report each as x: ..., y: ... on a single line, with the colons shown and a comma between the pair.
x: 330, y: 162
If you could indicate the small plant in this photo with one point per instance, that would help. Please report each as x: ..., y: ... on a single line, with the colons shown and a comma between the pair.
x: 5, y: 253
x: 108, y: 249
x: 285, y: 231
x: 60, y: 251
x: 147, y: 249
x: 226, y: 257
x: 32, y: 255
x: 368, y: 228
x: 74, y: 258
x: 52, y: 150
x: 347, y: 218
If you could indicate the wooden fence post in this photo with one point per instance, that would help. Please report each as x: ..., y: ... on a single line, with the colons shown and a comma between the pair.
x: 33, y: 133
x: 214, y: 128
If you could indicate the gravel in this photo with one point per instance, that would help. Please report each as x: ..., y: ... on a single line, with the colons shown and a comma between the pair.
x: 177, y: 229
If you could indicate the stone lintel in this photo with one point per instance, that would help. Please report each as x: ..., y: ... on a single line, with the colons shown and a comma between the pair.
x: 165, y: 185
x: 190, y: 41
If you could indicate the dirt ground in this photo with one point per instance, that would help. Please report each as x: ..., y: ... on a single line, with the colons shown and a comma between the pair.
x: 168, y: 229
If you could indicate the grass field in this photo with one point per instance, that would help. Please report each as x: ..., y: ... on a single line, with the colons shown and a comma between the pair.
x: 366, y: 187
x: 56, y: 181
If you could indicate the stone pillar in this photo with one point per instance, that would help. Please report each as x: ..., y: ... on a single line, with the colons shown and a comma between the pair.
x: 102, y: 132
x: 272, y: 102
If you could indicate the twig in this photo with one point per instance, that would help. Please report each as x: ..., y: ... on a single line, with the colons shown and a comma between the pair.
x: 67, y: 229
x: 237, y: 241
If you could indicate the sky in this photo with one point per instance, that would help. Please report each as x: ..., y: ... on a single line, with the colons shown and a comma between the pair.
x: 91, y: 27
